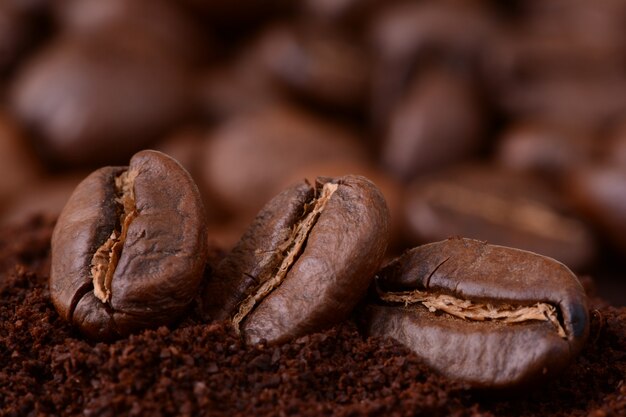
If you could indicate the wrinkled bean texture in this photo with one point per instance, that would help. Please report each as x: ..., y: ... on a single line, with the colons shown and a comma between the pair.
x: 463, y: 285
x: 156, y: 263
x: 320, y: 245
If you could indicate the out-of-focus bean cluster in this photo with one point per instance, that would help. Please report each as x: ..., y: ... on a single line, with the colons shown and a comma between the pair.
x: 503, y: 121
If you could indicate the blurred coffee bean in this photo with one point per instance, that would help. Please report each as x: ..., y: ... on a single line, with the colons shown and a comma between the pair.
x: 580, y: 102
x: 527, y: 54
x: 92, y: 101
x: 245, y: 160
x: 234, y: 88
x: 18, y: 29
x: 184, y: 146
x: 344, y: 15
x: 548, y: 150
x: 18, y: 163
x: 163, y: 23
x: 500, y: 207
x: 317, y: 66
x: 615, y: 152
x: 599, y: 192
x: 439, y: 121
x: 410, y: 36
x: 446, y: 27
x: 46, y: 196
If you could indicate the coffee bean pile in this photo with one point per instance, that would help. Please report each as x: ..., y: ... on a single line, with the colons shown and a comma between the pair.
x: 474, y: 152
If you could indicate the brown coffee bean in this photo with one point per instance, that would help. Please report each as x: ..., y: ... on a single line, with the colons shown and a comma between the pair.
x: 599, y: 193
x: 422, y: 136
x: 92, y: 101
x: 129, y: 248
x: 580, y: 102
x: 318, y: 67
x: 498, y: 206
x: 548, y: 150
x: 615, y: 148
x: 162, y: 23
x: 412, y: 36
x: 245, y: 160
x: 304, y: 263
x: 492, y: 316
x: 235, y: 88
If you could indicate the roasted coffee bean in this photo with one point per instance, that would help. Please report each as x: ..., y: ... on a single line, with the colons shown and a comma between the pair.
x: 421, y: 137
x: 492, y: 316
x: 234, y: 89
x: 599, y: 193
x: 129, y: 248
x: 414, y: 35
x: 91, y: 101
x: 245, y: 160
x: 579, y: 102
x: 548, y: 150
x: 319, y: 67
x: 501, y: 207
x: 304, y: 263
x: 159, y: 22
x: 615, y: 149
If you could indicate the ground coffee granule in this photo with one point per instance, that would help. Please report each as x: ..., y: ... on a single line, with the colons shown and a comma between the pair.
x: 193, y: 368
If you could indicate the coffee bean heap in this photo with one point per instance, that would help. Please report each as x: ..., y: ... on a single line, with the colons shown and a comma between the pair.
x: 434, y: 170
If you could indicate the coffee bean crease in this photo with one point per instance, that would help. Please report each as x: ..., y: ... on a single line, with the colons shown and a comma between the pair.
x: 471, y: 310
x: 106, y: 257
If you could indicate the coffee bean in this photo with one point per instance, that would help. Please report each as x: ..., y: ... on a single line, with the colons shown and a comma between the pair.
x: 245, y: 160
x: 90, y: 101
x: 498, y: 206
x: 159, y: 22
x: 548, y: 150
x: 422, y: 137
x: 599, y: 193
x: 580, y: 102
x: 409, y: 37
x: 492, y: 316
x: 304, y: 263
x: 316, y: 66
x: 235, y: 88
x: 129, y: 248
x: 615, y: 147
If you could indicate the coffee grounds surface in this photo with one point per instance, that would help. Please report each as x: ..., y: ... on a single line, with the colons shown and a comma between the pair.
x: 194, y: 368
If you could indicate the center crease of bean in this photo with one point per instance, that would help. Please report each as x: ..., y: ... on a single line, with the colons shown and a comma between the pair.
x: 106, y: 257
x: 470, y: 310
